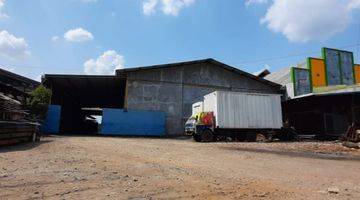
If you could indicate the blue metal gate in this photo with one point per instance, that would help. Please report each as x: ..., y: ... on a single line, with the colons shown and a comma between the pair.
x: 132, y: 122
x: 51, y: 124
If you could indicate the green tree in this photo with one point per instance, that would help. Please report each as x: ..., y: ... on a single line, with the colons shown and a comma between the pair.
x: 38, y: 102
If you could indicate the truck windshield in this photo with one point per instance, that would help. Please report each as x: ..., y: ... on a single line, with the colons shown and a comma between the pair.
x: 191, y: 120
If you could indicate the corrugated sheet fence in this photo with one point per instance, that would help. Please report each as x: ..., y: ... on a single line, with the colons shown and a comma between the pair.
x: 51, y: 124
x: 132, y: 122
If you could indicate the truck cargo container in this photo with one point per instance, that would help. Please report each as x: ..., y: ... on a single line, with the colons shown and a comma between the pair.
x: 234, y: 114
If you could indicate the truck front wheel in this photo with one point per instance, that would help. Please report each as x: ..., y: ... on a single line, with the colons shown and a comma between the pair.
x: 207, y: 136
x: 197, y: 137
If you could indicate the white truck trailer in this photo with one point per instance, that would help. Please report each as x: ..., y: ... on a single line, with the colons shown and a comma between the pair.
x: 234, y: 114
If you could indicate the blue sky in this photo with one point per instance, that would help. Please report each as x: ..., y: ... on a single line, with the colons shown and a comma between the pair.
x: 96, y: 36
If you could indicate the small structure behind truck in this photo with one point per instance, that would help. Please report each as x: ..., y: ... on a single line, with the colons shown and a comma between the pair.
x: 238, y: 115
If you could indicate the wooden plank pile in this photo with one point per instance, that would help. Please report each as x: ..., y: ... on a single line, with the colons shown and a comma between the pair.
x: 10, y: 109
x: 15, y: 132
x: 7, y: 103
x: 351, y: 138
x: 14, y: 128
x: 14, y: 121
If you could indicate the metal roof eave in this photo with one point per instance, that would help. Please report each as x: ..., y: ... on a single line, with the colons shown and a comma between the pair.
x: 209, y: 60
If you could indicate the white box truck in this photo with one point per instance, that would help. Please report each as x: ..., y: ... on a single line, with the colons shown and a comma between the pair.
x: 234, y: 114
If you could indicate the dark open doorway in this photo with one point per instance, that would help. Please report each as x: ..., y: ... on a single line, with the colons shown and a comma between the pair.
x: 82, y: 98
x: 325, y: 115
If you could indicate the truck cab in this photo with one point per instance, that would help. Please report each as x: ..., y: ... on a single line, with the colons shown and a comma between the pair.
x: 191, y: 123
x: 190, y: 126
x: 200, y: 124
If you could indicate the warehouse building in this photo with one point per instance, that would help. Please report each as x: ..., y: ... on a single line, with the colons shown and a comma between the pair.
x: 170, y: 89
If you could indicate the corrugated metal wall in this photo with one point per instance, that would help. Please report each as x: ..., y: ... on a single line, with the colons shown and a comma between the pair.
x: 132, y: 122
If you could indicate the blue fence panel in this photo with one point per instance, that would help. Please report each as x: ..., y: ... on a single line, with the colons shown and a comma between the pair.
x: 132, y: 122
x: 51, y: 124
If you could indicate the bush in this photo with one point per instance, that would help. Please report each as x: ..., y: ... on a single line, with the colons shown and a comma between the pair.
x: 38, y: 101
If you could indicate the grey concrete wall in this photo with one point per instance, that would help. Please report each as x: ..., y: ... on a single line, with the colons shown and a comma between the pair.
x: 174, y: 90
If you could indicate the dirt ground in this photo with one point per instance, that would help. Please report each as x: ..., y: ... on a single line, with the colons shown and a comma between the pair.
x: 143, y: 168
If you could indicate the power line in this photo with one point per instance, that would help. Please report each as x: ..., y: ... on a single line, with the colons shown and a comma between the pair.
x: 357, y: 45
x: 277, y: 58
x: 294, y: 55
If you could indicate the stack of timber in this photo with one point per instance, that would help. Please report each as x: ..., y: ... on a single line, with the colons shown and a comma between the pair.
x: 351, y: 138
x: 13, y: 126
x: 10, y: 109
x: 14, y: 121
x: 15, y: 132
x: 7, y: 103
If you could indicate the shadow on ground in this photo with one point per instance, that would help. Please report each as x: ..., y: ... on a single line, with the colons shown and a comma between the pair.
x: 304, y: 154
x: 24, y: 146
x: 123, y: 136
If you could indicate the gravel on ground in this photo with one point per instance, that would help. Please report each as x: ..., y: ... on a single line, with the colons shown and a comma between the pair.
x: 75, y: 167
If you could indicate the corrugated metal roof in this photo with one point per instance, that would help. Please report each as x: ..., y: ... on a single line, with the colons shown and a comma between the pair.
x: 18, y: 77
x: 281, y: 77
x: 209, y: 60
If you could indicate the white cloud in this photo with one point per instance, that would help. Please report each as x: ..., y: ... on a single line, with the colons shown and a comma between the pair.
x: 55, y: 38
x: 2, y: 14
x: 172, y: 7
x: 13, y: 47
x: 106, y: 64
x: 168, y: 7
x: 251, y: 2
x: 302, y: 21
x: 354, y: 4
x: 149, y: 6
x: 78, y: 35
